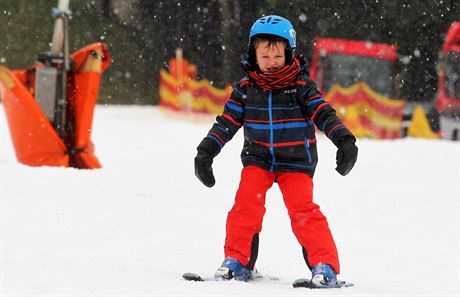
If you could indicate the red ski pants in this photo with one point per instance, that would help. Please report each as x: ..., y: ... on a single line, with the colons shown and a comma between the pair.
x: 308, y: 223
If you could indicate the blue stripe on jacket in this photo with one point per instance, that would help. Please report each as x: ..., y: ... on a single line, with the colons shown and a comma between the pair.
x: 273, y: 108
x: 318, y: 100
x: 294, y: 164
x: 221, y: 145
x: 258, y: 126
x: 239, y: 92
x: 234, y: 107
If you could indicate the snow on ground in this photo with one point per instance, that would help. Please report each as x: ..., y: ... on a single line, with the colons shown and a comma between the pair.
x: 134, y: 226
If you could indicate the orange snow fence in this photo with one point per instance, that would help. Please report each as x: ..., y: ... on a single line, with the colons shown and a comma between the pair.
x: 367, y: 113
x: 180, y: 91
x: 34, y: 138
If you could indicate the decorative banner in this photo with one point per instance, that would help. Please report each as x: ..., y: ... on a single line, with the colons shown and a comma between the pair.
x: 367, y: 113
x: 180, y: 91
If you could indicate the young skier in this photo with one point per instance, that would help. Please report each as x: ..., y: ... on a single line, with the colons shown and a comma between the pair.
x: 279, y: 107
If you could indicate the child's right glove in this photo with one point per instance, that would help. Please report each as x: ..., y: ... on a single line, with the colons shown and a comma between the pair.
x: 207, y: 150
x: 346, y: 155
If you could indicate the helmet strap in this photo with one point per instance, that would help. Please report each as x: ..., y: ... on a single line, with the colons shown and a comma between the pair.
x: 252, y: 55
x: 289, y: 55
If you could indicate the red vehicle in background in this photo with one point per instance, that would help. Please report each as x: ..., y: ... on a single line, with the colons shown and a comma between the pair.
x: 359, y: 79
x: 346, y: 62
x: 448, y: 93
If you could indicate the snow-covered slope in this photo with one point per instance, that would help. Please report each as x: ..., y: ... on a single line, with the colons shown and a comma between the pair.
x: 134, y: 226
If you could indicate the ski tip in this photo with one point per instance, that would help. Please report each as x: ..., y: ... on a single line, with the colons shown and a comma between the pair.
x: 190, y: 276
x: 301, y: 283
x: 342, y: 284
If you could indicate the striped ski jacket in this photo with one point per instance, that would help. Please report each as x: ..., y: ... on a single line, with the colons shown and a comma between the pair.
x: 279, y: 125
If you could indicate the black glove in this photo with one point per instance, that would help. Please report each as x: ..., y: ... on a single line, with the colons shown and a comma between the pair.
x: 346, y: 155
x: 207, y: 150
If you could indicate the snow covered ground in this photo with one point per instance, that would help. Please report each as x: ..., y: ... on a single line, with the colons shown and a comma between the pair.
x: 134, y: 226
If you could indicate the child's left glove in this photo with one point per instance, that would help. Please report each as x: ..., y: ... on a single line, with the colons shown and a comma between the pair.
x: 346, y: 155
x: 207, y: 150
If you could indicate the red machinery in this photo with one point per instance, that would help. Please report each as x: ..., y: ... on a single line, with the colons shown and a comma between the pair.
x: 346, y: 62
x: 358, y: 78
x: 448, y: 93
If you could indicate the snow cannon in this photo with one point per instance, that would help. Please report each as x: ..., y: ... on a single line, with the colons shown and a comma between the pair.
x: 50, y: 105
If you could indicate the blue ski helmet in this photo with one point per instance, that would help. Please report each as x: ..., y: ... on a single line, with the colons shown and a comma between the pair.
x: 273, y: 25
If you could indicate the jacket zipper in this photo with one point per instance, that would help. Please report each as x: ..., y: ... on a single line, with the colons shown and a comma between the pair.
x: 270, y: 118
x: 307, y: 148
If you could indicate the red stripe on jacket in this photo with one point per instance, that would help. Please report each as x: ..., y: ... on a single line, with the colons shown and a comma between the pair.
x: 246, y: 82
x: 332, y: 130
x: 228, y: 117
x: 236, y: 102
x: 301, y: 82
x: 289, y: 143
x: 317, y: 109
x: 218, y: 137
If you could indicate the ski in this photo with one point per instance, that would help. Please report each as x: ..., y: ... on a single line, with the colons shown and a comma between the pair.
x: 190, y: 276
x: 299, y: 283
x: 306, y: 283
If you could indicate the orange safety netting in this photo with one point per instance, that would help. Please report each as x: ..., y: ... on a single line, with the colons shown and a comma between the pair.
x: 181, y: 91
x: 367, y: 113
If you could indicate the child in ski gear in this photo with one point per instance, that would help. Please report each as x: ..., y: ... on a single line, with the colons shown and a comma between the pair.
x: 279, y: 107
